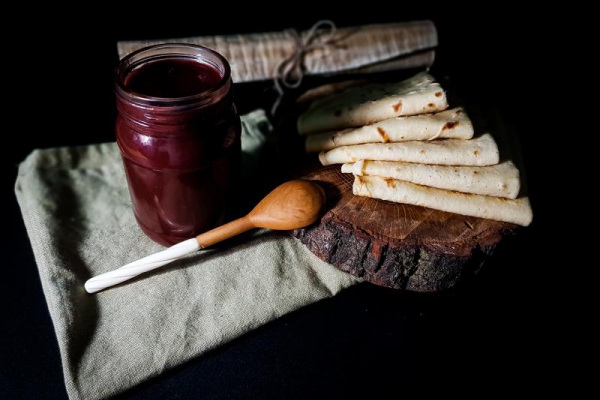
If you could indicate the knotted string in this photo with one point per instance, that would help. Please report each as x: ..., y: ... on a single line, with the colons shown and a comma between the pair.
x: 290, y: 70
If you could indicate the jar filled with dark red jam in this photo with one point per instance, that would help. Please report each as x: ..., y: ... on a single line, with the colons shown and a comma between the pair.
x: 178, y: 131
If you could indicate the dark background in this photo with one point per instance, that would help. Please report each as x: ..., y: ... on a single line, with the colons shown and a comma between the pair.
x: 368, y: 341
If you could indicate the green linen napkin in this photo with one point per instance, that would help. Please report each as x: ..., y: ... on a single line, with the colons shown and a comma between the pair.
x: 77, y: 212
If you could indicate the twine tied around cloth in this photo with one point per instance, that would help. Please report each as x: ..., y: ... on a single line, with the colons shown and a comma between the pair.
x: 290, y: 71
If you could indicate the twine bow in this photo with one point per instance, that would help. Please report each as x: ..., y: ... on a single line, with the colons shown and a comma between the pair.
x: 290, y: 71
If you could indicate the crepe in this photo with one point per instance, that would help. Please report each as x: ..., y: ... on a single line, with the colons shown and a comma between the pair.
x: 500, y: 180
x: 452, y: 123
x: 517, y: 211
x: 362, y: 105
x: 481, y: 150
x: 328, y: 89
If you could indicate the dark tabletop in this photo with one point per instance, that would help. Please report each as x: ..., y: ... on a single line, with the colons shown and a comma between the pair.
x: 368, y: 341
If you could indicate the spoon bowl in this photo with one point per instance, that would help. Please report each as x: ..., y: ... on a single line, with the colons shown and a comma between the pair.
x: 292, y: 205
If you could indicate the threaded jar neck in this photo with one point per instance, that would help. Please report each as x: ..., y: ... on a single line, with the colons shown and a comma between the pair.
x: 172, y: 84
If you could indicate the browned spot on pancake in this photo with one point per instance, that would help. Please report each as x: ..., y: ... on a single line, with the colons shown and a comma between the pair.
x: 450, y: 125
x: 390, y: 183
x: 438, y: 94
x: 475, y: 153
x: 475, y: 172
x: 337, y: 113
x: 383, y: 134
x: 422, y: 151
x: 397, y: 107
x: 430, y: 105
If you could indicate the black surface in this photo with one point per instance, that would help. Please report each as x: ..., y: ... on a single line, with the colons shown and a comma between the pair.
x: 365, y: 342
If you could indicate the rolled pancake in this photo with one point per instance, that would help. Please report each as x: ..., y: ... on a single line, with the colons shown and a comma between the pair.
x: 367, y: 104
x: 517, y: 211
x: 500, y: 180
x: 447, y: 124
x: 479, y: 151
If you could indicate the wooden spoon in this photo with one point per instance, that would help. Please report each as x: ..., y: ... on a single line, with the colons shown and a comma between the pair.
x: 292, y: 205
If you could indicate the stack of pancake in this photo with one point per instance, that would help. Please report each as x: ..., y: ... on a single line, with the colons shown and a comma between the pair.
x: 403, y: 143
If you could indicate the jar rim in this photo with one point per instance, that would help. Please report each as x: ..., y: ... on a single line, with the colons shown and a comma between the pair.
x: 164, y: 51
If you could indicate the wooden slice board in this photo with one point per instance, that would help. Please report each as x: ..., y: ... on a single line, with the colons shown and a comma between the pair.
x: 397, y: 245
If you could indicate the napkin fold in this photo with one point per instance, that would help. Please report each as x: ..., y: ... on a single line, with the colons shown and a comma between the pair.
x: 77, y: 212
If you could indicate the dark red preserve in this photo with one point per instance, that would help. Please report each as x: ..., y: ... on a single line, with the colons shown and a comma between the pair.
x: 179, y: 135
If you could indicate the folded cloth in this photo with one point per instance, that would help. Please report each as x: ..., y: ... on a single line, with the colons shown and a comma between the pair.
x: 355, y: 49
x: 77, y: 211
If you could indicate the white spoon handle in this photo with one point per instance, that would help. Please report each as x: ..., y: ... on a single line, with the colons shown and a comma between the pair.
x: 145, y: 264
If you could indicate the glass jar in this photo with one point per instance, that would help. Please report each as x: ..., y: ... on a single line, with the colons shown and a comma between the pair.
x: 178, y: 131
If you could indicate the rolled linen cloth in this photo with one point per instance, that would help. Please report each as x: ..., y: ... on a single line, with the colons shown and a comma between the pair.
x: 353, y: 49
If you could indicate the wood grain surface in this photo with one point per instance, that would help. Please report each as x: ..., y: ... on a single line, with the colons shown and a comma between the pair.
x: 397, y: 245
